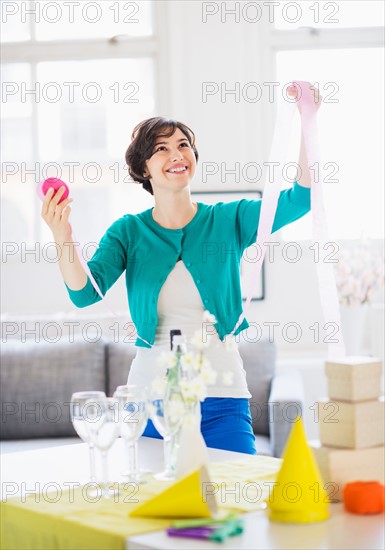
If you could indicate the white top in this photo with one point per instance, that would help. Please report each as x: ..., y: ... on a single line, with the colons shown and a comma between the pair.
x: 180, y: 307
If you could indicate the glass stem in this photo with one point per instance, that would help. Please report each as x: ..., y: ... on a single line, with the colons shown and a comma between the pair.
x: 91, y: 448
x: 167, y: 453
x: 132, y: 451
x: 170, y: 452
x: 105, y: 474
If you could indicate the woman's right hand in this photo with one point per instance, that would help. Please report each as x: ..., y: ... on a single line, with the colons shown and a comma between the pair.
x: 56, y: 215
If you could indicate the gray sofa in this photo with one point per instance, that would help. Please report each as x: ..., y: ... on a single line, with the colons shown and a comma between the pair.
x: 37, y: 380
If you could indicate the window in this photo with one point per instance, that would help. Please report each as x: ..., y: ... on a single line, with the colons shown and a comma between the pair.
x: 343, y: 56
x: 327, y: 14
x: 77, y: 78
x: 44, y: 20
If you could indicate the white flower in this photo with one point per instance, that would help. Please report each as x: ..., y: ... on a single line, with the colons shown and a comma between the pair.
x: 227, y: 378
x: 200, y: 341
x: 209, y: 317
x: 203, y: 362
x: 359, y: 272
x: 208, y: 374
x: 195, y: 387
x: 167, y: 360
x: 159, y: 385
x: 199, y: 388
x: 190, y: 362
x: 187, y: 389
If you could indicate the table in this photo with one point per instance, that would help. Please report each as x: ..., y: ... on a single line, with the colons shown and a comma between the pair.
x: 341, y: 532
x: 35, y: 470
x: 70, y: 463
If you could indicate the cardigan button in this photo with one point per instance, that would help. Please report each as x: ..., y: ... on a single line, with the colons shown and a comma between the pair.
x: 206, y: 301
x: 188, y: 264
x: 198, y: 281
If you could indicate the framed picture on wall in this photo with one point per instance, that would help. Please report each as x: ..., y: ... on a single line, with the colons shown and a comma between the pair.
x: 249, y: 255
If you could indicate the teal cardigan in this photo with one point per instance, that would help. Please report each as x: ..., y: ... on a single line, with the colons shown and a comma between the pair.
x: 210, y: 245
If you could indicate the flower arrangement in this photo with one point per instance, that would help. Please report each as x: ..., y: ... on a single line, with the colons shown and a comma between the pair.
x: 186, y: 375
x: 359, y: 274
x: 198, y: 373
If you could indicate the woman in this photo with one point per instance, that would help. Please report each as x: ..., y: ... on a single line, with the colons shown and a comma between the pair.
x: 181, y: 258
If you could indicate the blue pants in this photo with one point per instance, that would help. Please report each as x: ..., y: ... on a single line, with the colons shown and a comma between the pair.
x: 226, y: 424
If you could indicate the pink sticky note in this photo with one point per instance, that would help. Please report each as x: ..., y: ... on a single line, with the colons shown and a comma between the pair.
x: 56, y: 183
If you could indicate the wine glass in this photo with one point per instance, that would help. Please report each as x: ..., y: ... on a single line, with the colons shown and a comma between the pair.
x: 133, y: 416
x: 102, y: 415
x: 167, y: 410
x: 79, y: 421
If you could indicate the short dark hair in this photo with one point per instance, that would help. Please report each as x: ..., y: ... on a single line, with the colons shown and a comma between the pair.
x: 143, y: 140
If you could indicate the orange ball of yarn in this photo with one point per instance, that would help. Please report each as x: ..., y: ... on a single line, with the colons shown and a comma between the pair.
x: 364, y: 497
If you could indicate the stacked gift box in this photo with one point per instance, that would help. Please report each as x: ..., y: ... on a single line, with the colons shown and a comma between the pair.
x: 351, y: 422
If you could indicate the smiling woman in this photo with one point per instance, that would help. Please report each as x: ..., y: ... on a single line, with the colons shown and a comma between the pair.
x: 170, y: 281
x: 163, y: 157
x: 151, y: 142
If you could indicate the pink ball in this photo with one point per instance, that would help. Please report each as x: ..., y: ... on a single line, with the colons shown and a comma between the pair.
x: 56, y: 183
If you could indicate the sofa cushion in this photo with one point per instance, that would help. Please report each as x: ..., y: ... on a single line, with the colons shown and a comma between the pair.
x: 259, y: 363
x: 119, y: 358
x: 38, y: 379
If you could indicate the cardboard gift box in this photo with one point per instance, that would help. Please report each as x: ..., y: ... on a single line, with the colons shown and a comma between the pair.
x: 354, y: 378
x: 351, y: 425
x: 341, y: 466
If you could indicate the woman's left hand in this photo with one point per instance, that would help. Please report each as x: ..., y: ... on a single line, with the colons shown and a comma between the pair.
x: 292, y: 91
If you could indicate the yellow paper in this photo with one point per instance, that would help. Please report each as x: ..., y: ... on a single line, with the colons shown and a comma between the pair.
x: 187, y: 498
x: 76, y: 522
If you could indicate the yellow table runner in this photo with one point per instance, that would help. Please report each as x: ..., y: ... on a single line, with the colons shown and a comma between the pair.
x: 74, y: 521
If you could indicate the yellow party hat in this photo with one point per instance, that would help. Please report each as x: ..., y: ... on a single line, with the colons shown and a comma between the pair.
x: 299, y: 495
x: 187, y: 498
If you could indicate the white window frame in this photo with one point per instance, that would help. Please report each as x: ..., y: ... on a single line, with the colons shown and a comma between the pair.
x: 309, y: 38
x: 33, y: 52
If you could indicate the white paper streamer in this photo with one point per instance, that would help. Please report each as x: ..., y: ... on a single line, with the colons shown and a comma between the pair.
x: 325, y: 273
